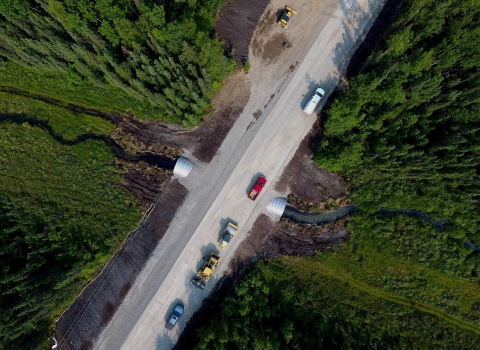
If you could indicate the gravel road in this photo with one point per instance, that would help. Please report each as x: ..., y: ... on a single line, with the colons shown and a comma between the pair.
x: 322, y: 37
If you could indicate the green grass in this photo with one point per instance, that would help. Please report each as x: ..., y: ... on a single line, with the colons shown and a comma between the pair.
x: 63, y: 215
x: 62, y: 120
x: 333, y: 266
x: 59, y: 85
x: 310, y: 303
x: 246, y: 67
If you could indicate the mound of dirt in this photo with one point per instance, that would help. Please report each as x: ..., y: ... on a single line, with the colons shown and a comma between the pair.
x: 228, y: 104
x: 288, y: 238
x: 236, y: 23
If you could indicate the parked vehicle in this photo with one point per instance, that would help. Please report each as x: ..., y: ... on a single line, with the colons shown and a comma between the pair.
x: 177, y: 312
x: 314, y: 100
x: 228, y: 234
x: 257, y: 188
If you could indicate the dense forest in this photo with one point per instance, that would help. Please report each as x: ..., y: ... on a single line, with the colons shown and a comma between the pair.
x: 407, y: 131
x: 161, y: 56
x: 404, y: 133
x: 63, y: 211
x: 301, y: 303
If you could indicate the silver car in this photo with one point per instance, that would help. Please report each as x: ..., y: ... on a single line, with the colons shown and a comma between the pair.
x: 177, y: 312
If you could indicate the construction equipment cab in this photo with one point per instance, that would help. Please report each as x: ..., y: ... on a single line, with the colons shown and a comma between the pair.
x: 257, y: 188
x: 206, y: 271
x: 286, y: 16
x: 313, y: 102
x: 228, y: 234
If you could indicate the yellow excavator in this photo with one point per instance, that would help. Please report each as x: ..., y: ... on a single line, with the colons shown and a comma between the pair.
x: 204, y: 274
x: 286, y: 16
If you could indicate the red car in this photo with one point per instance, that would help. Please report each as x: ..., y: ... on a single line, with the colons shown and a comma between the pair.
x: 257, y: 188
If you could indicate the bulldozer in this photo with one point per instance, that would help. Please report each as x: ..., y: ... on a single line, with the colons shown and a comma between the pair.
x: 287, y: 13
x: 204, y: 274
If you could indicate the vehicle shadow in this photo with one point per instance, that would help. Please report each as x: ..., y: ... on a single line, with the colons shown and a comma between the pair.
x: 205, y: 251
x: 163, y: 342
x: 252, y: 182
x: 313, y: 84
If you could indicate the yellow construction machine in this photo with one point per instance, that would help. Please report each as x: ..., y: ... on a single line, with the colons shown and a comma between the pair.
x: 228, y: 234
x: 286, y: 16
x: 206, y: 271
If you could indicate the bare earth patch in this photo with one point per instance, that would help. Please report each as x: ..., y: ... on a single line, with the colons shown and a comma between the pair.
x: 204, y: 140
x: 228, y: 104
x: 236, y: 23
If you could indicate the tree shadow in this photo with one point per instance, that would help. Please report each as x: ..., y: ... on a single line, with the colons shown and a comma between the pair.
x: 163, y: 342
x: 353, y: 31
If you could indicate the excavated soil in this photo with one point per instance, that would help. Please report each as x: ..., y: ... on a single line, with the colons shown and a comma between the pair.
x: 288, y: 238
x: 270, y: 50
x: 228, y: 104
x: 235, y: 26
x: 143, y: 180
x: 204, y: 140
x: 311, y: 188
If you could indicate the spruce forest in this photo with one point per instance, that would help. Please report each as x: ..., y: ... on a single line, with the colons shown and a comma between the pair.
x: 403, y: 134
x: 162, y: 57
x: 63, y: 212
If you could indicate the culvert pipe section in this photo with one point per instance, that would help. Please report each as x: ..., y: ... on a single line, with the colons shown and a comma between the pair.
x: 277, y: 207
x: 183, y: 167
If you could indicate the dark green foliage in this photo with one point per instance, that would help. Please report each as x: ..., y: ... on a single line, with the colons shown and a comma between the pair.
x: 129, y: 45
x: 407, y: 132
x: 291, y: 306
x: 246, y: 67
x: 62, y: 214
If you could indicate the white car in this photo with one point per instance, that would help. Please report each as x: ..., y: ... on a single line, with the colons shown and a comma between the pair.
x: 314, y: 100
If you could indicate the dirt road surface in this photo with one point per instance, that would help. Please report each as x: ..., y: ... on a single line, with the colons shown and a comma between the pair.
x: 263, y: 140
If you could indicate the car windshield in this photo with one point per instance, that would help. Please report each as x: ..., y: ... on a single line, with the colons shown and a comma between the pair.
x: 260, y: 183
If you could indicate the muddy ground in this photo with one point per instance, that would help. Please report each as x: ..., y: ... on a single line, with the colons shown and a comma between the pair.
x: 236, y: 24
x: 202, y: 141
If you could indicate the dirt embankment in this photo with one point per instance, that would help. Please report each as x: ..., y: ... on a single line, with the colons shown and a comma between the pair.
x: 235, y: 26
x: 204, y: 140
x: 93, y: 309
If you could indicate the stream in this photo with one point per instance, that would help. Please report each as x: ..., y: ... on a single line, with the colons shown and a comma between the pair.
x: 318, y: 219
x: 438, y: 224
x: 150, y: 158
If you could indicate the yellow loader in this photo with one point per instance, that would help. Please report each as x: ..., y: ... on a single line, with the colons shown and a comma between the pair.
x: 286, y: 15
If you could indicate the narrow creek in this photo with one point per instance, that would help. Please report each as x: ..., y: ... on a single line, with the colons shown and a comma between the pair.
x: 318, y: 219
x: 150, y: 158
x: 438, y: 224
